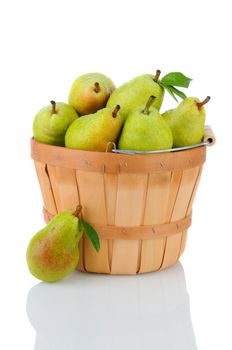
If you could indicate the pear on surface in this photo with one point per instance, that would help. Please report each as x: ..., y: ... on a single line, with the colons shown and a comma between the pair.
x: 90, y: 92
x: 94, y: 131
x: 145, y: 130
x: 136, y: 92
x: 51, y: 123
x: 187, y: 121
x: 53, y: 252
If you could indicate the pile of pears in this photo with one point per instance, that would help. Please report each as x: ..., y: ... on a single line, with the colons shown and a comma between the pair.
x: 98, y: 114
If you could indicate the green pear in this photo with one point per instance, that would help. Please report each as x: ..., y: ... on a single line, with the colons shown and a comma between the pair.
x: 145, y: 130
x: 90, y: 92
x: 136, y: 92
x: 187, y: 121
x: 51, y: 122
x: 94, y: 131
x: 53, y: 252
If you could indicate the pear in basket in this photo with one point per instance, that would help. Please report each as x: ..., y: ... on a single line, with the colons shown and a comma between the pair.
x: 145, y: 130
x: 53, y: 252
x: 187, y: 121
x: 136, y: 92
x: 94, y: 131
x: 90, y: 92
x: 51, y: 123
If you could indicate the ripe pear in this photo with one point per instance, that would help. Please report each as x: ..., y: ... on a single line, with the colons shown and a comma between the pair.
x: 51, y: 122
x: 94, y: 131
x: 187, y: 121
x: 53, y: 252
x: 90, y: 92
x: 136, y: 92
x: 145, y: 130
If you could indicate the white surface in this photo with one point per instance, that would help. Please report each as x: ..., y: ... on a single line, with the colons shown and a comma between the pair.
x: 45, y: 45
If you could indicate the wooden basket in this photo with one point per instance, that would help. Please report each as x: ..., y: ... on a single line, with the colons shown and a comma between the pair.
x: 139, y: 204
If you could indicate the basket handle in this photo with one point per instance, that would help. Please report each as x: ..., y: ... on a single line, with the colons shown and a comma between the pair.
x: 209, y: 136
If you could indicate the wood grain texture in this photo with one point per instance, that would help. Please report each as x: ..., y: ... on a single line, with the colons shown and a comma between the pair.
x: 184, y: 194
x: 64, y: 187
x: 92, y: 199
x: 129, y: 212
x: 45, y: 187
x: 155, y: 213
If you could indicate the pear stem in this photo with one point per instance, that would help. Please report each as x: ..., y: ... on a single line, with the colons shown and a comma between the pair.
x: 201, y: 104
x: 53, y: 103
x: 115, y: 111
x: 157, y: 75
x: 97, y: 87
x: 77, y: 211
x: 148, y: 104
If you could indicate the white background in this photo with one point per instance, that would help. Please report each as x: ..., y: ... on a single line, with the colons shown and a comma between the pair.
x: 45, y: 45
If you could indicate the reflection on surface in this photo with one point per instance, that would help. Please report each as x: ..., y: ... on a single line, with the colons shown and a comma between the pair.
x: 90, y: 311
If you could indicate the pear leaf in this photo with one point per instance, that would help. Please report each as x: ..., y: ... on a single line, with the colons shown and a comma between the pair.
x: 169, y: 90
x: 176, y: 79
x: 91, y: 233
x: 177, y: 92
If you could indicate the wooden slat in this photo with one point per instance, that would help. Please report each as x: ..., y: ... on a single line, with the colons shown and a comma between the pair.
x: 45, y: 186
x: 155, y: 213
x: 64, y: 187
x: 92, y: 199
x: 183, y: 198
x: 184, y: 234
x: 129, y: 212
x: 111, y: 186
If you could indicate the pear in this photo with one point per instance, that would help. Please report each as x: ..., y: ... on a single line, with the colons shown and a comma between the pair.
x: 136, y: 92
x: 145, y: 130
x: 90, y: 92
x: 94, y: 131
x: 187, y: 121
x: 51, y: 122
x: 53, y: 252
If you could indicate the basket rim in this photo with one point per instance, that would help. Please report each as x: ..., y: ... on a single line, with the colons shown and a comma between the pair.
x: 110, y: 162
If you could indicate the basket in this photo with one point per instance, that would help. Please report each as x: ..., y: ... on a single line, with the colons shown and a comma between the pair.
x: 140, y: 204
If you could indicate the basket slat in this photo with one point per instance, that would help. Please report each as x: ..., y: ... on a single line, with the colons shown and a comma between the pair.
x: 125, y: 253
x: 184, y: 234
x: 45, y: 186
x: 64, y: 188
x: 92, y: 198
x: 186, y: 188
x: 155, y: 213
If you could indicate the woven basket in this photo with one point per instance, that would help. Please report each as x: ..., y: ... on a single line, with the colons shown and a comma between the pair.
x: 139, y: 204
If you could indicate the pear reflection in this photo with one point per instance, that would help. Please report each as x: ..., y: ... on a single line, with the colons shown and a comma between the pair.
x: 89, y: 311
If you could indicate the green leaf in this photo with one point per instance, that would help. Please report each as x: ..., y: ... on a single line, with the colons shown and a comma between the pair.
x: 175, y: 79
x: 91, y: 233
x: 168, y: 89
x: 178, y: 92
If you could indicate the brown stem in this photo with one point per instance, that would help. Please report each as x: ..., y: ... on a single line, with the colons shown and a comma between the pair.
x: 53, y: 103
x: 201, y: 104
x: 157, y: 75
x: 115, y: 111
x: 97, y: 87
x: 148, y: 104
x: 77, y: 211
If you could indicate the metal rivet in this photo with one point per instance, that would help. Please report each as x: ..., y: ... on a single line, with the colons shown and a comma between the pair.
x: 87, y: 162
x: 123, y: 231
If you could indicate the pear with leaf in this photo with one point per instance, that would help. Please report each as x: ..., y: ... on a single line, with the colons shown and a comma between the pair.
x: 136, y: 92
x: 187, y: 121
x: 53, y: 252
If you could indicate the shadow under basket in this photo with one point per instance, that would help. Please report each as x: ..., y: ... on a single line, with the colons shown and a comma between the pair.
x: 140, y: 204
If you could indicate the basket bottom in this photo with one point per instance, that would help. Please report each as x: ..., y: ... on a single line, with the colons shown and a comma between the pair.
x: 131, y: 257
